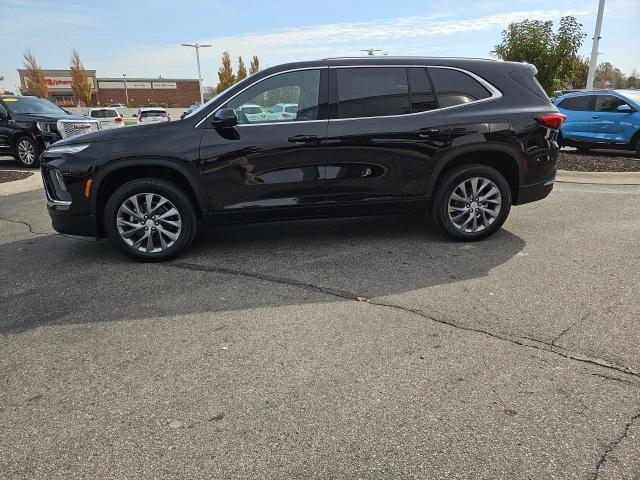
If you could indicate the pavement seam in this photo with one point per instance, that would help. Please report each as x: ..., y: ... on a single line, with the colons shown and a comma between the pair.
x: 531, y: 343
x: 613, y: 445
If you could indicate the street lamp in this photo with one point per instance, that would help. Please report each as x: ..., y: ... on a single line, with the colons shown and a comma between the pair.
x: 126, y: 92
x: 197, y: 46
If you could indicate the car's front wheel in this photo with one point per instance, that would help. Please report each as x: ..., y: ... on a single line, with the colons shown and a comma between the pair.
x: 471, y: 202
x: 150, y: 219
x: 28, y: 152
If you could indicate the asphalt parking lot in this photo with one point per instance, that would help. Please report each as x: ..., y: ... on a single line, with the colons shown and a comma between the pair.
x: 351, y: 348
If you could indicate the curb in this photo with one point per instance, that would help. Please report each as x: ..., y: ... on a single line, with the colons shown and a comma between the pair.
x: 598, y: 178
x: 32, y: 182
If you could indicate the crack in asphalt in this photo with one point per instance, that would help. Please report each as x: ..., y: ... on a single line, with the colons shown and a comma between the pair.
x: 537, y: 344
x: 613, y: 445
x: 33, y: 232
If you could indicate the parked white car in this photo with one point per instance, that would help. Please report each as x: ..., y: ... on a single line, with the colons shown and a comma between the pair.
x: 254, y: 113
x: 283, y: 112
x: 152, y: 115
x: 108, y: 117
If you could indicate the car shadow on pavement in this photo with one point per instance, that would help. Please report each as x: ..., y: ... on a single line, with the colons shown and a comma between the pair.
x: 58, y: 280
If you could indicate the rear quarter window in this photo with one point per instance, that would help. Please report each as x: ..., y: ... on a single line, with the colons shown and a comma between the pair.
x: 454, y: 87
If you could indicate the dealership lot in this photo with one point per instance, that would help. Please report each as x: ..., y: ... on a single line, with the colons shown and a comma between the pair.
x: 351, y: 348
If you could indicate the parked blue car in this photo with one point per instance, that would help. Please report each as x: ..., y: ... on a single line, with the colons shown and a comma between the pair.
x: 601, y: 119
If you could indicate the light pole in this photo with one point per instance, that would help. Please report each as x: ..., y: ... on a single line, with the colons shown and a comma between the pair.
x: 197, y: 46
x: 126, y: 92
x: 593, y: 63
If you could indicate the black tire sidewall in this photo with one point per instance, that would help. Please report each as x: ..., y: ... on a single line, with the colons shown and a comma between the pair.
x: 37, y: 150
x: 450, y: 181
x: 172, y: 192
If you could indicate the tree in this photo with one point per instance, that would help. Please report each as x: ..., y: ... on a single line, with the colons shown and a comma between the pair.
x: 79, y: 81
x: 633, y: 80
x: 242, y: 70
x: 553, y: 54
x: 226, y: 78
x: 609, y: 76
x: 34, y: 77
x: 254, y: 67
x: 580, y: 72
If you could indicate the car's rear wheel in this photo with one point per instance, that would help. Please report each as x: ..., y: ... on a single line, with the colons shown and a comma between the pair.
x: 28, y: 152
x: 150, y: 219
x: 471, y: 202
x: 638, y: 147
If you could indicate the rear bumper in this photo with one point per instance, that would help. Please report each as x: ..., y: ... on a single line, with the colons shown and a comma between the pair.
x: 537, y: 191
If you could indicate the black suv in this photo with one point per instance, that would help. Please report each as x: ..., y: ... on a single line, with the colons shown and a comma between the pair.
x: 30, y: 124
x: 462, y: 139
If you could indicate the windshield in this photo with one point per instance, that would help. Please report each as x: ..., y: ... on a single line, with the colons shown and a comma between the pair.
x: 206, y: 104
x: 634, y: 96
x: 32, y: 105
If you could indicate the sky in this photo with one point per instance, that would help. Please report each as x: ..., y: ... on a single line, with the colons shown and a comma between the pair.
x: 142, y: 38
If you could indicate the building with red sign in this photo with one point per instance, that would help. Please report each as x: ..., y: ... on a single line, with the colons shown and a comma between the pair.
x: 135, y: 92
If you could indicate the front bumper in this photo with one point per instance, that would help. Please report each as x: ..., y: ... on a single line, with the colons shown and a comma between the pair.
x: 63, y: 221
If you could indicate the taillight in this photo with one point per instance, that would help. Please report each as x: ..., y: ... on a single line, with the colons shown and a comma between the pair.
x: 552, y: 120
x: 118, y: 119
x: 140, y: 119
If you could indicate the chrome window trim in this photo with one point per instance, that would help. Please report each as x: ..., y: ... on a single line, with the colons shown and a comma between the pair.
x: 495, y: 93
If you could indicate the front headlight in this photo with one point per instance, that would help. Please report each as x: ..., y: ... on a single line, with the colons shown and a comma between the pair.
x: 43, y: 127
x: 69, y: 149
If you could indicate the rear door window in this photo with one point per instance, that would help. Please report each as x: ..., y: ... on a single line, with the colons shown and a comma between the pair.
x: 454, y: 87
x: 583, y: 103
x: 372, y: 92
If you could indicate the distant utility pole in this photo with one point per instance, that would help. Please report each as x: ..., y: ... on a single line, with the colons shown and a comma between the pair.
x: 593, y: 63
x: 197, y: 46
x: 126, y: 92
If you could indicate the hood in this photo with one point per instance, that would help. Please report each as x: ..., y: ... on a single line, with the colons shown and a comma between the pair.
x: 49, y: 118
x: 137, y: 131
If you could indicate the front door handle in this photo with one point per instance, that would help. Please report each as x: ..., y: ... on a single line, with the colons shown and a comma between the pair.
x: 596, y: 116
x: 303, y: 139
x: 428, y: 132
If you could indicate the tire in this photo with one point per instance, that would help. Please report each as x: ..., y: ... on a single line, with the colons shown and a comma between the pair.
x: 490, y: 212
x: 129, y: 229
x: 638, y: 147
x: 28, y: 152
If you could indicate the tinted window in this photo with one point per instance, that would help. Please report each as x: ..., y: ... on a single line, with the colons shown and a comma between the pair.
x: 583, y: 103
x: 292, y: 109
x: 153, y: 113
x: 301, y: 87
x: 32, y: 105
x: 104, y: 114
x: 372, y: 92
x: 422, y: 98
x: 608, y: 103
x: 454, y: 87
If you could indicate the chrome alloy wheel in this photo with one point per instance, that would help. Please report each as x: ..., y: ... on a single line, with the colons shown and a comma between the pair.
x: 26, y: 152
x: 474, y: 204
x: 148, y: 222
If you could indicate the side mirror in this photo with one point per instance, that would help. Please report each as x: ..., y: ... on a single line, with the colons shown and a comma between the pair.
x: 225, y: 118
x: 624, y: 109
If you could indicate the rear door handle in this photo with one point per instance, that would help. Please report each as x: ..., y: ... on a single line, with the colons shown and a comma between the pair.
x: 596, y: 116
x: 428, y: 132
x: 303, y: 139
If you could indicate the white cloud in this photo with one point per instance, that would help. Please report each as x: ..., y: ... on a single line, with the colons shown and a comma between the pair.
x: 292, y: 44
